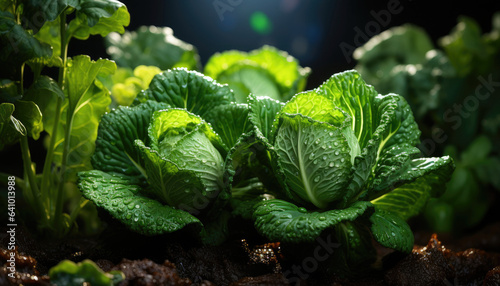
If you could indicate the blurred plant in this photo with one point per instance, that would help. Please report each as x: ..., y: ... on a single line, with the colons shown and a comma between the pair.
x: 151, y: 46
x: 454, y: 93
x: 125, y: 84
x: 86, y: 272
x: 262, y: 72
x: 68, y: 109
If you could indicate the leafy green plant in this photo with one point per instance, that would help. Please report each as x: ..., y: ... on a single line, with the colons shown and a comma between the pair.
x: 86, y: 272
x: 345, y: 161
x: 68, y: 109
x: 159, y: 166
x: 151, y: 46
x: 451, y: 92
x: 262, y: 72
x: 126, y: 83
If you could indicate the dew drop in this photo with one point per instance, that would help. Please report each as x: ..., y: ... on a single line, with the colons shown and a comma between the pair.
x: 331, y: 134
x: 337, y: 153
x: 342, y: 160
x: 311, y: 156
x: 315, y: 162
x: 331, y: 164
x: 324, y: 157
x: 305, y: 142
x: 136, y: 219
x: 322, y: 218
x: 302, y: 210
x: 137, y: 206
x: 316, y: 179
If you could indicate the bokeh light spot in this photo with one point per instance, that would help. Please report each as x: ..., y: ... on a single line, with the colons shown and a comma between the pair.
x: 260, y: 23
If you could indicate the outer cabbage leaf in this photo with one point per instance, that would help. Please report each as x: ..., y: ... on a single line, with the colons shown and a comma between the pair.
x: 427, y: 176
x: 191, y: 90
x: 152, y: 46
x: 97, y: 17
x: 314, y: 158
x: 121, y: 196
x: 115, y: 149
x: 283, y: 221
x: 262, y: 113
x: 229, y: 121
x: 262, y: 64
x: 392, y: 231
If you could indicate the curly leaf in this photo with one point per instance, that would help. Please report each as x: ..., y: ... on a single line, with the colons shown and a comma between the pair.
x: 264, y: 72
x: 229, y: 121
x: 97, y: 17
x: 152, y: 46
x: 115, y: 150
x: 120, y: 195
x: 283, y: 221
x: 262, y: 112
x: 191, y: 90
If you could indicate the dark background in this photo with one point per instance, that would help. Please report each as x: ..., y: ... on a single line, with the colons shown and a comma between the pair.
x: 321, y: 24
x: 312, y: 31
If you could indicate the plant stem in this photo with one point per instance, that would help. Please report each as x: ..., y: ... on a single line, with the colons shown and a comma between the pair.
x: 58, y: 210
x: 21, y: 84
x: 35, y: 192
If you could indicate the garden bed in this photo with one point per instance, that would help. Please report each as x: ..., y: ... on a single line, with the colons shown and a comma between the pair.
x: 470, y: 260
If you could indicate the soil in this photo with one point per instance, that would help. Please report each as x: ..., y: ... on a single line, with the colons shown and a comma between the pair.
x: 471, y: 260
